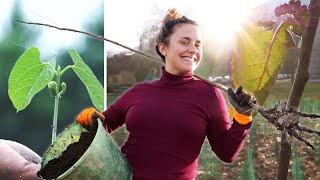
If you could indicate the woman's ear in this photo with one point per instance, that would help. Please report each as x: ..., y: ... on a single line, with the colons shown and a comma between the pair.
x: 162, y: 49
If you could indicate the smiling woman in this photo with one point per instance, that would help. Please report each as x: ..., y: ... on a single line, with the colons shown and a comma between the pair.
x: 184, y: 46
x: 168, y: 119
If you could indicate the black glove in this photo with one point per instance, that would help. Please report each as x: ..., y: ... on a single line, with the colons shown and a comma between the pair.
x: 240, y: 100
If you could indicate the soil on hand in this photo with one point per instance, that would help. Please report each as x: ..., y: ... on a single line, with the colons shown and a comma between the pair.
x: 69, y: 157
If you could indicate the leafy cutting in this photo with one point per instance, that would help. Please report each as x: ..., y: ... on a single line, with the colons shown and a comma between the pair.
x: 30, y: 75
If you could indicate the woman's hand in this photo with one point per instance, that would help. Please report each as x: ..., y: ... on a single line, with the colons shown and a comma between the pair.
x: 88, y: 119
x: 241, y: 100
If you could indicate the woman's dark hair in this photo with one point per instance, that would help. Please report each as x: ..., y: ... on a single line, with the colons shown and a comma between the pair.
x: 167, y: 29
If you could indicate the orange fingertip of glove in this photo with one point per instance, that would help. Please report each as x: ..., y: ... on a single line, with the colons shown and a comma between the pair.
x: 242, y: 119
x: 85, y: 116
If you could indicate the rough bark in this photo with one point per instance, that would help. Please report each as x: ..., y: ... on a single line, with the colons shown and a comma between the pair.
x: 301, y: 78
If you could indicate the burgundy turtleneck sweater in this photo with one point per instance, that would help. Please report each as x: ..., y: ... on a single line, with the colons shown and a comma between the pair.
x: 168, y: 120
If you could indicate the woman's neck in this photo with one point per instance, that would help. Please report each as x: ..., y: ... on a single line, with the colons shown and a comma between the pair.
x: 175, y: 71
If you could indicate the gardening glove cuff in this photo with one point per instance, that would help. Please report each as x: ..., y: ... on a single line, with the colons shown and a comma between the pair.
x: 88, y: 119
x: 242, y: 119
x: 241, y: 100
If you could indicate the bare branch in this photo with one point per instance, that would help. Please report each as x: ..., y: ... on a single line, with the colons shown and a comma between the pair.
x: 92, y: 35
x: 312, y: 116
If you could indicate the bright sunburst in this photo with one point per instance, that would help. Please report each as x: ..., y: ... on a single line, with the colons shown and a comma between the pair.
x: 221, y: 20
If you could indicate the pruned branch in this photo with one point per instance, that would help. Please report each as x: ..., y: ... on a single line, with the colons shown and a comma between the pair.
x: 92, y: 35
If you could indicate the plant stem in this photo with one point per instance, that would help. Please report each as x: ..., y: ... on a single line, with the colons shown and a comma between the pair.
x: 55, y: 118
x: 66, y: 68
x: 56, y: 107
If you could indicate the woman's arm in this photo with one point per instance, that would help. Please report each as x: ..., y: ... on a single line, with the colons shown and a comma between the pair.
x: 226, y: 139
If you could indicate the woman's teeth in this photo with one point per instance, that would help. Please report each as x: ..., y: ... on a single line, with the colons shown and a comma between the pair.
x: 188, y: 59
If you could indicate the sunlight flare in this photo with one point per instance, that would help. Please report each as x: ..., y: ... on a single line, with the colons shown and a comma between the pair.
x: 221, y: 21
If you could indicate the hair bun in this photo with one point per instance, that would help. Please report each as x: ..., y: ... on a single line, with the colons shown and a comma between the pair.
x: 172, y: 15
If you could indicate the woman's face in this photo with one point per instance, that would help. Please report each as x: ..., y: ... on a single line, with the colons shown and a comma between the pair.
x: 184, y: 51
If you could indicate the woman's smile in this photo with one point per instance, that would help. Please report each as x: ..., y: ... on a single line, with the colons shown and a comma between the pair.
x: 184, y: 52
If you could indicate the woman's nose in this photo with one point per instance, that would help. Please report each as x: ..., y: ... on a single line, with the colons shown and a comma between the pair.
x: 192, y: 48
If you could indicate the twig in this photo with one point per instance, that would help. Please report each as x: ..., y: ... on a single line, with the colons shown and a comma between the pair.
x: 89, y: 34
x: 312, y: 116
x: 221, y: 87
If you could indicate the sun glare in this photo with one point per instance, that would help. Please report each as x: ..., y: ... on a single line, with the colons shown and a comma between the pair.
x: 223, y: 20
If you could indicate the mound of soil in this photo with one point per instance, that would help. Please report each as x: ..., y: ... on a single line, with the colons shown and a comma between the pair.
x: 69, y: 157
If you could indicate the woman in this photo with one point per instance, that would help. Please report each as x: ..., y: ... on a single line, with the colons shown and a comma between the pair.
x: 168, y: 119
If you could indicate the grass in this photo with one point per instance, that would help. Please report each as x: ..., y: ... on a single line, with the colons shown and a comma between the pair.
x: 283, y: 88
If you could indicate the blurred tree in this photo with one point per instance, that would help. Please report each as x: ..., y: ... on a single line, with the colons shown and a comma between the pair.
x: 290, y: 64
x: 148, y: 39
x: 16, y: 126
x: 126, y: 69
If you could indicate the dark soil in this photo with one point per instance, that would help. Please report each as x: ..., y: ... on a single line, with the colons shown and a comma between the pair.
x: 69, y: 157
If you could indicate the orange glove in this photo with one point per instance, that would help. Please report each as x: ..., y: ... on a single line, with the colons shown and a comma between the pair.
x: 88, y: 119
x: 242, y: 119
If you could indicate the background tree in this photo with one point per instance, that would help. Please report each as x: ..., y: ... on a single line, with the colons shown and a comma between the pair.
x: 301, y: 78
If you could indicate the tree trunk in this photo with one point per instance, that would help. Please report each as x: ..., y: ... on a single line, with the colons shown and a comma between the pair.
x: 301, y: 78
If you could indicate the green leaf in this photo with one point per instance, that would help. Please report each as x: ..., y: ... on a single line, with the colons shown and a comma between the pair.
x: 53, y: 62
x: 258, y: 57
x: 28, y: 76
x: 95, y: 89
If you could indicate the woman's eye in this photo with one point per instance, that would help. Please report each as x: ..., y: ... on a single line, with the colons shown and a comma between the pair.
x: 197, y: 45
x: 184, y: 42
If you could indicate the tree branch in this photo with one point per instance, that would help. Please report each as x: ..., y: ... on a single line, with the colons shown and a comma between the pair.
x: 92, y: 35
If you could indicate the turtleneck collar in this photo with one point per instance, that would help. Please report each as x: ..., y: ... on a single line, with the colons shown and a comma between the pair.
x: 171, y: 79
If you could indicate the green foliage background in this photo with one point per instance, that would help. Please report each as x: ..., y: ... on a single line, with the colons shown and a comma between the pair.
x: 32, y: 126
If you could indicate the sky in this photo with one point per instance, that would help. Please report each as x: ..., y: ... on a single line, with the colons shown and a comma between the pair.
x: 62, y: 13
x: 125, y: 20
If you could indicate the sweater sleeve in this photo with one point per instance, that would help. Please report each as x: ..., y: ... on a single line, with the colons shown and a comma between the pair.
x: 115, y: 115
x: 226, y: 139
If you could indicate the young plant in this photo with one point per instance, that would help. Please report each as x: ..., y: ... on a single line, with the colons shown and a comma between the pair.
x: 247, y: 170
x: 30, y: 75
x: 209, y: 164
x: 296, y: 168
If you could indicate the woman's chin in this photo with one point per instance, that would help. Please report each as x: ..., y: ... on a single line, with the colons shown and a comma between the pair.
x: 188, y: 69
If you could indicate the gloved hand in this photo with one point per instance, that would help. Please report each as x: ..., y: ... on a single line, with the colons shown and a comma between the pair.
x: 88, y: 119
x: 240, y: 101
